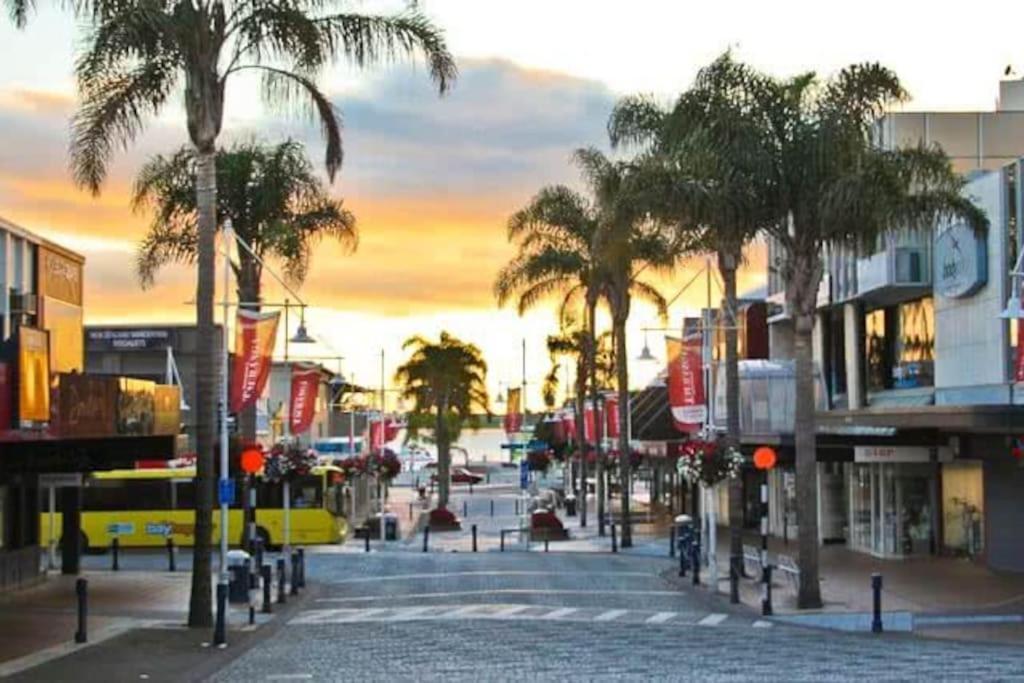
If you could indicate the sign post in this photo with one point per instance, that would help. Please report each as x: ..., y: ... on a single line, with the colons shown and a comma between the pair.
x: 764, y: 460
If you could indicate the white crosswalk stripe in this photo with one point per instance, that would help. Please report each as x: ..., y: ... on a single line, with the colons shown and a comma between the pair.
x: 610, y: 615
x: 560, y: 613
x: 713, y: 620
x: 660, y: 617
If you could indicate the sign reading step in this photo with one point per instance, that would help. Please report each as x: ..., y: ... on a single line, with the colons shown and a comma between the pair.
x: 900, y: 454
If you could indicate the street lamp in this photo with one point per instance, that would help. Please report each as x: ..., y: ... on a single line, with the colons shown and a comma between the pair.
x: 645, y: 354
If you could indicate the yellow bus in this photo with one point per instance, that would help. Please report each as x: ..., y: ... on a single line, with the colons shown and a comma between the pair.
x: 142, y: 507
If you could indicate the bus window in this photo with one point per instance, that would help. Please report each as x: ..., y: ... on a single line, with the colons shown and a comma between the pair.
x: 185, y: 494
x: 336, y: 500
x: 307, y: 492
x: 101, y: 495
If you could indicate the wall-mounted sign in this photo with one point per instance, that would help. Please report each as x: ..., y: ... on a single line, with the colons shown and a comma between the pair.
x: 60, y: 277
x: 870, y: 454
x: 129, y: 339
x: 86, y: 405
x: 961, y: 261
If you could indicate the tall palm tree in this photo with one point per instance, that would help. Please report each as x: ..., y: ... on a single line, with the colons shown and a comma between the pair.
x: 447, y: 383
x: 277, y: 204
x: 135, y: 56
x: 829, y: 184
x: 701, y: 179
x: 628, y: 240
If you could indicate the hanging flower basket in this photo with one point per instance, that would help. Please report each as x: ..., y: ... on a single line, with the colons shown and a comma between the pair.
x: 539, y: 461
x: 708, y: 463
x: 352, y: 466
x: 288, y: 463
x: 386, y: 466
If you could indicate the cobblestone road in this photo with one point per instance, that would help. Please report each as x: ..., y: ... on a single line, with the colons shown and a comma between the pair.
x: 501, y: 616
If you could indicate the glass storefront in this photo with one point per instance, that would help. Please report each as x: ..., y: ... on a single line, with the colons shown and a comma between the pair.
x: 891, y: 509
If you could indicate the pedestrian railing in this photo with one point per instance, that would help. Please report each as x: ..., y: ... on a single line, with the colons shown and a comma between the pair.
x: 788, y: 566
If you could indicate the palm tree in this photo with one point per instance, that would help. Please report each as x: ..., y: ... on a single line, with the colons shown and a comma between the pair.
x: 628, y: 240
x: 276, y: 202
x: 700, y: 178
x: 137, y: 54
x: 828, y: 184
x: 447, y: 382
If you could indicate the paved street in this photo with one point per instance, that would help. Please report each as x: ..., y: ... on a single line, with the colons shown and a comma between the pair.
x: 409, y: 615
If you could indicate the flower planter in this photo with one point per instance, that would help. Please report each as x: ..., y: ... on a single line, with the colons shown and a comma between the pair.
x: 443, y: 519
x: 545, y: 525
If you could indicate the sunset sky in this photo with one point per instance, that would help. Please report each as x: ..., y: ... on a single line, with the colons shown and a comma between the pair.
x: 432, y: 180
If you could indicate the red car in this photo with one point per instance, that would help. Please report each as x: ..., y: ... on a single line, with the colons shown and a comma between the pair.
x: 460, y: 475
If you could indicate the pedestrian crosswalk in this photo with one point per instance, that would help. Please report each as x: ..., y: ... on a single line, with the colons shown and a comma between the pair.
x: 492, y: 611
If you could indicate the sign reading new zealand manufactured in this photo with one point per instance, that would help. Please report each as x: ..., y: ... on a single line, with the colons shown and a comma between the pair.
x: 961, y: 261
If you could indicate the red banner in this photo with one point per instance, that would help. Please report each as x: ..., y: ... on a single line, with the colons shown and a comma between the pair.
x: 589, y: 433
x: 513, y: 417
x: 391, y: 429
x: 305, y: 384
x: 569, y: 424
x: 686, y: 384
x: 611, y: 413
x: 1019, y: 374
x: 376, y: 435
x: 255, y: 334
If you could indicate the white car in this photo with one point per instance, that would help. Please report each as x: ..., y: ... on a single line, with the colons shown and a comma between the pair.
x: 415, y: 458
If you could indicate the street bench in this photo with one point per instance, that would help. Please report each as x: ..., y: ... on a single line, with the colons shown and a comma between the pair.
x: 788, y: 566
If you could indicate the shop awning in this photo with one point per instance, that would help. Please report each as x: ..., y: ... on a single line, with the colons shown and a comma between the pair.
x: 983, y: 419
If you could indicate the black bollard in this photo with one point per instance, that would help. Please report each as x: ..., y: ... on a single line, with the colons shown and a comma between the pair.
x: 672, y: 542
x: 220, y: 627
x: 492, y: 507
x: 366, y: 539
x: 302, y: 568
x: 615, y: 544
x: 281, y: 599
x: 465, y: 508
x: 295, y: 573
x: 502, y: 542
x: 410, y: 511
x: 265, y: 574
x: 695, y: 560
x: 734, y: 582
x: 115, y: 548
x: 546, y: 539
x: 170, y: 554
x: 471, y: 488
x: 876, y: 603
x: 426, y: 538
x: 82, y: 591
x: 474, y: 538
x: 517, y: 507
x: 766, y: 595
x: 682, y: 561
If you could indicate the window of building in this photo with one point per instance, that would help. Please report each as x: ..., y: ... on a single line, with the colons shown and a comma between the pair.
x: 835, y: 354
x: 899, y: 346
x: 3, y: 517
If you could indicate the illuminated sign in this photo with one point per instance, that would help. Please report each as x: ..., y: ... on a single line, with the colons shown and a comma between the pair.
x: 33, y: 375
x: 961, y: 261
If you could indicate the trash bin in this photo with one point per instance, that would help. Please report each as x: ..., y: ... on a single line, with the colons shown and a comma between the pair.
x: 390, y: 526
x: 238, y: 583
x: 684, y: 538
x: 570, y: 505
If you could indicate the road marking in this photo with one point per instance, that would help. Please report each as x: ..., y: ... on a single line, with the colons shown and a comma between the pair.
x: 406, y: 613
x: 494, y: 591
x: 460, y: 612
x: 610, y: 615
x: 559, y: 613
x: 509, y: 611
x: 713, y: 620
x: 660, y: 617
x: 761, y: 623
x: 289, y: 677
x: 447, y: 575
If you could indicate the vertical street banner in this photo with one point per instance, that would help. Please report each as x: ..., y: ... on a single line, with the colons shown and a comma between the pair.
x: 611, y: 414
x: 589, y: 432
x: 255, y: 334
x: 305, y: 383
x: 376, y: 435
x: 686, y: 383
x: 1019, y: 365
x: 391, y: 429
x: 569, y: 424
x: 513, y: 416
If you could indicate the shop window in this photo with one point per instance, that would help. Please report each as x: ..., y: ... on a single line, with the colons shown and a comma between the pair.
x: 835, y: 354
x: 963, y: 504
x: 109, y: 495
x: 899, y: 343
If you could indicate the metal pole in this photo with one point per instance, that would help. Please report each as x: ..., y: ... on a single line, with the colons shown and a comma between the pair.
x: 285, y: 430
x: 766, y: 571
x: 222, y: 585
x: 383, y: 489
x: 876, y: 603
x: 82, y: 591
x: 474, y: 538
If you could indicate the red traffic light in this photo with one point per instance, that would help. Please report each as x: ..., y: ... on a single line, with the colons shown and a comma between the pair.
x: 252, y: 460
x: 765, y: 458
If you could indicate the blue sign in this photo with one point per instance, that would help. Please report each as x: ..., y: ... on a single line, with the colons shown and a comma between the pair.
x: 961, y: 261
x: 226, y: 491
x: 524, y: 474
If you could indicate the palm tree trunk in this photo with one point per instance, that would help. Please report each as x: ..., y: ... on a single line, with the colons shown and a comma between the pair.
x: 200, y: 610
x: 444, y: 456
x: 804, y: 439
x: 727, y: 264
x: 594, y: 396
x: 581, y: 438
x: 625, y: 469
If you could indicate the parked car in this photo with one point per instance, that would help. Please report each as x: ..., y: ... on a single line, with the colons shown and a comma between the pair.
x: 460, y: 475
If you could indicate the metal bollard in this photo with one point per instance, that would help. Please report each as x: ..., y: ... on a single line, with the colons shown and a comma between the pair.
x: 115, y: 547
x: 734, y: 582
x: 517, y: 507
x: 876, y: 603
x: 682, y: 560
x: 410, y: 511
x: 471, y: 488
x: 302, y: 568
x: 474, y: 538
x: 426, y: 538
x: 766, y: 596
x: 615, y: 544
x: 265, y: 575
x: 170, y: 555
x: 492, y: 507
x: 502, y: 541
x: 672, y: 542
x: 220, y: 627
x: 366, y: 539
x: 82, y: 591
x: 258, y: 542
x: 695, y: 561
x: 546, y: 539
x: 281, y: 579
x: 465, y: 508
x: 295, y: 573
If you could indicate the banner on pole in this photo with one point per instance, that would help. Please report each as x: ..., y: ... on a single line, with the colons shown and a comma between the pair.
x: 686, y: 384
x: 513, y: 416
x: 611, y: 413
x: 1019, y: 374
x: 569, y: 425
x: 589, y: 432
x: 305, y: 383
x: 255, y: 334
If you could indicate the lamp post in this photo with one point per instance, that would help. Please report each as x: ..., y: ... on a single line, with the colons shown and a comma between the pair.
x: 301, y: 337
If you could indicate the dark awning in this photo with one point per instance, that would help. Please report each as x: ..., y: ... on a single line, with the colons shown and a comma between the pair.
x: 82, y: 455
x: 982, y: 419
